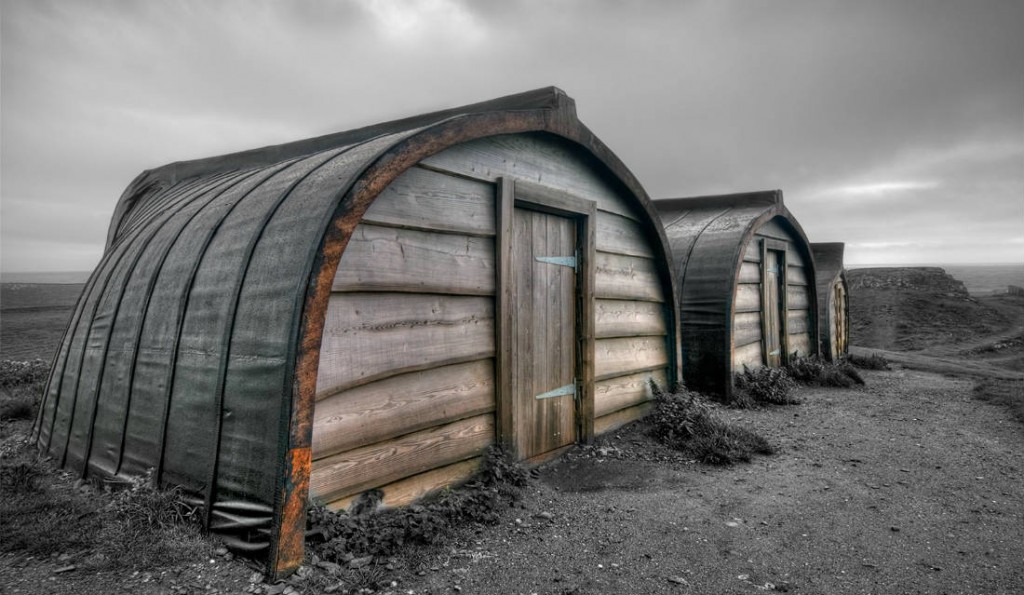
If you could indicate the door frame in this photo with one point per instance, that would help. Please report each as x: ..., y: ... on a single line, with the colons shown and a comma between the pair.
x: 512, y: 193
x: 776, y: 246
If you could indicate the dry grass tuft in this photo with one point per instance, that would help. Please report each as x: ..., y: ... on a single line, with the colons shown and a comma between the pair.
x: 762, y: 386
x: 688, y: 422
x: 815, y: 371
x: 870, y: 362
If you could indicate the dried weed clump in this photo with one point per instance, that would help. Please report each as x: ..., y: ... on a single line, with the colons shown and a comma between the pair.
x: 340, y: 537
x: 815, y: 371
x: 869, y: 362
x: 688, y: 422
x: 761, y: 386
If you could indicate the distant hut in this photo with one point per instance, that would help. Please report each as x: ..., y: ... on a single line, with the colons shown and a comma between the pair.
x: 367, y: 309
x: 833, y: 299
x: 746, y: 293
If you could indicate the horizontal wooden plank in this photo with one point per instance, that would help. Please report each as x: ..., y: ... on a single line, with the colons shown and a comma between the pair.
x: 392, y: 259
x: 747, y: 354
x: 800, y: 344
x: 360, y: 469
x: 750, y: 272
x: 748, y: 298
x: 407, y: 491
x: 626, y: 391
x: 746, y: 328
x: 774, y: 230
x: 620, y: 235
x: 533, y: 158
x: 796, y: 275
x: 618, y: 357
x: 430, y: 200
x: 793, y: 256
x: 625, y: 318
x: 614, y: 421
x: 798, y: 321
x: 626, y: 277
x: 371, y: 336
x: 796, y: 297
x: 400, y: 405
x: 752, y: 252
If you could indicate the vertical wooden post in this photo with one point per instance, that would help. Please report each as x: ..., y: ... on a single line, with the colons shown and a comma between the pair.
x: 503, y: 315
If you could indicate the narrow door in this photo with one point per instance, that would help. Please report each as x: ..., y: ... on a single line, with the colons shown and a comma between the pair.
x: 772, y: 308
x: 544, y: 362
x: 839, y: 331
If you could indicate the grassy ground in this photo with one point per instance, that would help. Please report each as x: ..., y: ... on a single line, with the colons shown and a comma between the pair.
x: 1005, y: 393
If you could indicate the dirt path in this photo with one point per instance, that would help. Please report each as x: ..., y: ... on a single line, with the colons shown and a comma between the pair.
x: 904, y: 486
x: 945, y: 365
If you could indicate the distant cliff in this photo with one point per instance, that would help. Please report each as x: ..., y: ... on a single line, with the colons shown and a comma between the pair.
x: 932, y: 280
x: 910, y: 308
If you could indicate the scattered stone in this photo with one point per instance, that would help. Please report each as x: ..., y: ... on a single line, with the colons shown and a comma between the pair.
x: 357, y: 563
x: 547, y: 516
x: 221, y: 551
x: 894, y: 529
x: 64, y: 569
x: 678, y: 580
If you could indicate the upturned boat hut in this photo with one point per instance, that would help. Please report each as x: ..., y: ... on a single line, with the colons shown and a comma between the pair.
x: 833, y: 299
x: 746, y: 285
x: 367, y: 309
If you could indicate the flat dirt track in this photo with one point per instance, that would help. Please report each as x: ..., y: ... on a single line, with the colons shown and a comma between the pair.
x: 907, y: 485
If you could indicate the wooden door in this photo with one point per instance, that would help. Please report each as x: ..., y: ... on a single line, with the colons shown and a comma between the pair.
x: 773, y: 308
x: 839, y: 329
x: 544, y: 331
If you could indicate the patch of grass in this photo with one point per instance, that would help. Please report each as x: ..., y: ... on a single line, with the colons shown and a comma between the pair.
x: 14, y: 374
x: 342, y: 536
x: 688, y: 422
x: 870, y: 362
x: 762, y: 386
x: 815, y: 371
x: 21, y: 388
x: 44, y: 512
x: 1005, y: 393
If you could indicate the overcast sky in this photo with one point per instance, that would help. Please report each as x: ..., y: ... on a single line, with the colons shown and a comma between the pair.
x: 896, y: 126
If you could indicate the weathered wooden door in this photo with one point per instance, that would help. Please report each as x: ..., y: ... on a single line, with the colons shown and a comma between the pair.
x: 544, y: 331
x: 839, y: 329
x: 773, y: 307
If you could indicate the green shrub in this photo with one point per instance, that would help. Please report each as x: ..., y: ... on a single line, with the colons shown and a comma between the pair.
x: 762, y: 386
x: 815, y: 371
x: 688, y: 422
x: 870, y: 362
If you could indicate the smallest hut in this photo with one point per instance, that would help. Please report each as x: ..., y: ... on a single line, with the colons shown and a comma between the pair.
x: 833, y: 299
x: 746, y: 285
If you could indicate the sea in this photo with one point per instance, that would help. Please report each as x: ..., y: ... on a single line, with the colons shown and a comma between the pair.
x: 979, y: 279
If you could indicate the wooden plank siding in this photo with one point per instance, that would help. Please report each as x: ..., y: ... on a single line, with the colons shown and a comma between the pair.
x: 406, y: 260
x: 407, y: 382
x: 747, y: 334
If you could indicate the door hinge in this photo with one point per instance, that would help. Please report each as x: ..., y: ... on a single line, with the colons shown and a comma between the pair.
x: 565, y: 261
x: 568, y: 389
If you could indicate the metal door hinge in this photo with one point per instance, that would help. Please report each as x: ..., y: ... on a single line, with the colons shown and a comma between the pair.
x: 568, y: 389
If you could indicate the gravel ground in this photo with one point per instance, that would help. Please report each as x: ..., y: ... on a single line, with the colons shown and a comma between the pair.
x: 906, y: 485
